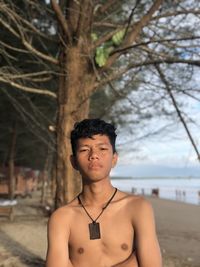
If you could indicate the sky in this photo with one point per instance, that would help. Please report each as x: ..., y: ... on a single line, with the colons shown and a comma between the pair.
x: 166, y: 154
x: 169, y: 158
x: 170, y: 155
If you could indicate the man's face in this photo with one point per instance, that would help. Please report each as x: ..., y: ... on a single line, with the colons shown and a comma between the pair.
x: 94, y: 157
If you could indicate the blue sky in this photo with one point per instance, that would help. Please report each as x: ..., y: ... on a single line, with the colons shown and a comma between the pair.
x: 166, y: 155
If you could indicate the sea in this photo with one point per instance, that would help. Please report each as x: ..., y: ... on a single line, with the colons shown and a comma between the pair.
x: 175, y: 188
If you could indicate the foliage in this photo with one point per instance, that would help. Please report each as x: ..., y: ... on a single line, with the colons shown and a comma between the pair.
x: 134, y: 59
x: 102, y: 52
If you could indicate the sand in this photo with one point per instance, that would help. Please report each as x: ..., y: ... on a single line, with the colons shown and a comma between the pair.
x: 23, y: 241
x: 178, y: 228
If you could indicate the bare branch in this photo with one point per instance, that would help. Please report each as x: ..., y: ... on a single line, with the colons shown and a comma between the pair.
x: 30, y: 120
x: 179, y: 113
x: 29, y: 89
x: 116, y: 27
x: 108, y: 25
x: 136, y: 29
x: 169, y: 60
x: 13, y: 48
x: 26, y: 75
x: 38, y: 53
x: 190, y: 95
x: 131, y: 16
x: 124, y: 49
x: 121, y: 95
x: 177, y: 13
x: 106, y: 6
x: 9, y: 28
x: 30, y: 25
x: 42, y: 76
x: 28, y: 44
x: 61, y: 19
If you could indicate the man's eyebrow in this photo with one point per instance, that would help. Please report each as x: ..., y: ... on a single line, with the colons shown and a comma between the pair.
x: 103, y: 144
x: 98, y: 144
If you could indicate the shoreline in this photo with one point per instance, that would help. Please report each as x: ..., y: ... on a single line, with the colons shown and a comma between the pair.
x: 171, y: 200
x: 182, y: 189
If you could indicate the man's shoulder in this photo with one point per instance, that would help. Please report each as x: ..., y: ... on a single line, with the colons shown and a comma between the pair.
x: 64, y: 214
x: 136, y: 202
x: 140, y: 202
x: 140, y: 209
x: 137, y: 199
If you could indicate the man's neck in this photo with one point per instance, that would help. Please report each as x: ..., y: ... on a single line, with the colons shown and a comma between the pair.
x: 97, y: 194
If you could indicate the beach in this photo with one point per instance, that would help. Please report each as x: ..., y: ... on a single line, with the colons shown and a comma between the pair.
x: 178, y: 228
x: 23, y: 242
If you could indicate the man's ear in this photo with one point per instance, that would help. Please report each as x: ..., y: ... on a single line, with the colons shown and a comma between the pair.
x: 114, y: 160
x: 74, y: 162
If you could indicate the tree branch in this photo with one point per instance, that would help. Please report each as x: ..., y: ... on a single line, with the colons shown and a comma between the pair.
x: 29, y: 75
x: 42, y: 76
x: 29, y: 89
x: 14, y: 48
x: 27, y: 44
x: 31, y: 120
x: 104, y: 38
x: 124, y: 49
x: 105, y: 24
x: 103, y: 8
x: 118, y: 74
x: 136, y: 29
x: 9, y: 28
x: 15, y: 16
x: 172, y: 14
x: 61, y: 20
x: 38, y: 53
x: 178, y: 111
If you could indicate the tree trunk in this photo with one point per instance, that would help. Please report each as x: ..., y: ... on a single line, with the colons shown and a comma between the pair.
x: 45, y: 179
x: 76, y: 82
x: 73, y: 105
x: 11, y: 163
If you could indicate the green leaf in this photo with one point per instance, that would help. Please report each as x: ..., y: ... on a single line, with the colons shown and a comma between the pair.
x: 101, y: 56
x: 94, y: 36
x: 118, y: 37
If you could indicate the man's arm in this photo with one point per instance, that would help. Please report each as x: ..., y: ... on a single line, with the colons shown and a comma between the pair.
x: 147, y: 247
x: 58, y: 235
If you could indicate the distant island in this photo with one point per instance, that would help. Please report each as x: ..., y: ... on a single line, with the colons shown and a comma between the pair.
x: 155, y: 171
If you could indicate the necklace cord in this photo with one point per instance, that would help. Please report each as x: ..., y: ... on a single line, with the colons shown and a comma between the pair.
x: 102, y: 208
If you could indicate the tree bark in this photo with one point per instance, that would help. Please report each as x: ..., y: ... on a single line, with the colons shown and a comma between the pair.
x: 75, y: 86
x: 11, y: 163
x: 45, y: 178
x: 76, y: 82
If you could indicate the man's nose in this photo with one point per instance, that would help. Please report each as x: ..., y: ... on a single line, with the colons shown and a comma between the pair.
x: 93, y: 155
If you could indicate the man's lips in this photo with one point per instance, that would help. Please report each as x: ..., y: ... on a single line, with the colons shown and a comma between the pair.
x: 94, y: 166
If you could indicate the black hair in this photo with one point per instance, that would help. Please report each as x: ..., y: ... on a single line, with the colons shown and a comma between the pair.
x: 89, y: 127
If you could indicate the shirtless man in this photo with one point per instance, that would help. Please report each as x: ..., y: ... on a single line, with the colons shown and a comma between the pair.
x: 102, y: 227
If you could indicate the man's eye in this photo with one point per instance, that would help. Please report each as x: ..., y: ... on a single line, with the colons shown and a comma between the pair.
x: 103, y: 148
x: 83, y: 150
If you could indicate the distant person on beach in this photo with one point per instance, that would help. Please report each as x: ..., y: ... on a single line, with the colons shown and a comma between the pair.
x: 102, y: 226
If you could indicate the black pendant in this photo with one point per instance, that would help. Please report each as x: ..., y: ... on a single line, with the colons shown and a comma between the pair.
x: 94, y: 229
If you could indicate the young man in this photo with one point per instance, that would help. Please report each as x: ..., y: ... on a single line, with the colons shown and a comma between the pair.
x: 102, y: 227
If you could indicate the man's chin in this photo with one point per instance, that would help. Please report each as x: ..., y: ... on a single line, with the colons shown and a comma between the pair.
x: 93, y: 179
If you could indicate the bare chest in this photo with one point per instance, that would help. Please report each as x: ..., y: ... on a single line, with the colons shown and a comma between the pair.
x: 115, y: 242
